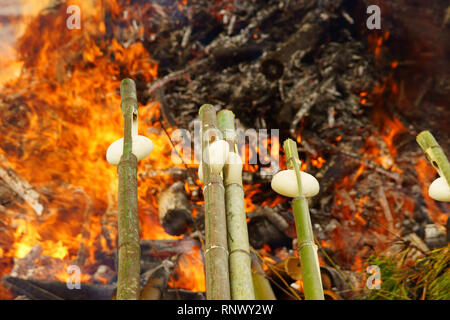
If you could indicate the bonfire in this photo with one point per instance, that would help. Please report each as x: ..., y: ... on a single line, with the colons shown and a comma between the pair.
x: 224, y: 150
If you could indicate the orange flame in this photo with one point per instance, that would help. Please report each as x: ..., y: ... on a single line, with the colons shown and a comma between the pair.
x: 69, y: 114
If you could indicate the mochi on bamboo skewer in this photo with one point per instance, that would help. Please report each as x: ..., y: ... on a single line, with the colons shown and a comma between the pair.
x: 439, y: 190
x: 217, y: 157
x: 285, y: 183
x: 141, y: 148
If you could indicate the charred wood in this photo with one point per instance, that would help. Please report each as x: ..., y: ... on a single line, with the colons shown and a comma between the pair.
x: 266, y: 226
x: 20, y: 186
x: 180, y: 294
x: 175, y: 210
x: 53, y: 290
x: 156, y: 281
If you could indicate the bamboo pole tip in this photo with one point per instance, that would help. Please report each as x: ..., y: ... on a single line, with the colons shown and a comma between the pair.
x: 206, y: 108
x: 226, y: 113
x: 128, y: 89
x: 290, y: 148
x: 287, y: 142
x: 426, y: 139
x: 129, y: 96
x: 225, y: 121
x: 423, y: 133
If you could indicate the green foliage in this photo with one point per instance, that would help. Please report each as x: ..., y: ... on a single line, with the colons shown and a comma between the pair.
x: 427, y: 279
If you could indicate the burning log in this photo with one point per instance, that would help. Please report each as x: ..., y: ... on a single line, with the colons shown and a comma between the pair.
x: 276, y: 219
x: 156, y: 282
x: 238, y: 243
x: 153, y: 252
x: 38, y: 266
x: 164, y: 249
x: 21, y: 186
x: 266, y: 226
x: 28, y: 288
x: 180, y: 294
x: 55, y: 290
x: 175, y: 210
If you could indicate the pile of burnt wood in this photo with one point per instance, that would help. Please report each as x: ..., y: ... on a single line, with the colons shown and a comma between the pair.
x: 301, y: 66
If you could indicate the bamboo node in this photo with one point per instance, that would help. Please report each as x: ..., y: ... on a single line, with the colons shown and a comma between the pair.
x: 288, y: 160
x: 300, y: 197
x: 211, y: 183
x: 229, y: 134
x: 216, y: 247
x: 234, y: 183
x: 307, y: 243
x: 240, y: 250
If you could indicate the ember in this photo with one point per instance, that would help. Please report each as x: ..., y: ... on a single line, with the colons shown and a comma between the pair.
x: 353, y: 99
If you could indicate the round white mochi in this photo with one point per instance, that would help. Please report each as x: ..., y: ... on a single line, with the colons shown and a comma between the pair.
x: 439, y: 190
x: 218, y: 153
x: 142, y: 147
x: 233, y: 169
x: 285, y: 183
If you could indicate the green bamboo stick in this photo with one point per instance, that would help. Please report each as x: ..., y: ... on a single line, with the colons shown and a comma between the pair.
x: 263, y: 289
x: 435, y: 154
x: 128, y: 220
x: 216, y: 248
x: 312, y: 282
x: 239, y: 259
